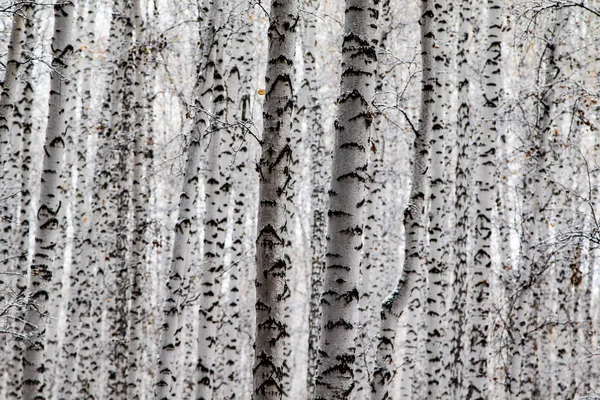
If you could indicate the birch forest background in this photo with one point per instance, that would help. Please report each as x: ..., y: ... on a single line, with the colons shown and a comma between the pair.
x: 299, y: 199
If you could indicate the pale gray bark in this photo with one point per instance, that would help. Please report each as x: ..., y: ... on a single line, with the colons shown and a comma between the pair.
x: 408, y: 289
x: 318, y: 157
x: 217, y: 189
x: 187, y: 225
x: 354, y: 119
x: 49, y: 208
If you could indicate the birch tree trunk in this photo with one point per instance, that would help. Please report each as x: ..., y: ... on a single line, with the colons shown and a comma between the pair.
x: 215, y: 227
x: 440, y: 190
x: 336, y: 356
x: 9, y: 84
x: 485, y: 181
x: 187, y: 223
x: 415, y: 225
x: 139, y: 199
x: 272, y: 291
x: 7, y: 106
x: 318, y: 184
x: 49, y: 207
x: 456, y: 331
x: 26, y: 97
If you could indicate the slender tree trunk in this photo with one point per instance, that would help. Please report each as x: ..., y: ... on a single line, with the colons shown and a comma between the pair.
x: 456, y: 331
x: 485, y: 181
x: 9, y: 84
x: 187, y: 224
x: 415, y: 224
x: 215, y: 226
x: 440, y: 190
x: 272, y: 291
x: 318, y: 157
x: 139, y: 201
x: 49, y: 208
x: 8, y: 162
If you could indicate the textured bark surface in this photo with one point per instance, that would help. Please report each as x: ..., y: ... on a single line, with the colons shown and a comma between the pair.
x: 408, y: 289
x: 272, y: 290
x: 454, y: 362
x: 49, y: 208
x: 339, y: 328
x: 217, y: 190
x: 439, y: 249
x: 485, y: 181
x: 187, y: 224
x: 319, y: 179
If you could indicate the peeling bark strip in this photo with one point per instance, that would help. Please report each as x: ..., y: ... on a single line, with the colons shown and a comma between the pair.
x: 336, y: 357
x: 415, y: 220
x: 49, y: 207
x: 272, y: 291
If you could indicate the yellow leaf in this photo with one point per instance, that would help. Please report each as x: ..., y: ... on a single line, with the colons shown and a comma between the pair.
x: 261, y: 92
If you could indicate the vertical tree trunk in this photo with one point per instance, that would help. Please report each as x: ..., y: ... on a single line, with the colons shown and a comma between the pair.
x: 187, y: 225
x: 26, y: 97
x: 440, y: 190
x: 336, y: 361
x: 139, y: 201
x: 318, y: 157
x: 215, y: 226
x: 49, y: 207
x: 415, y: 224
x: 456, y: 331
x: 485, y: 181
x: 8, y: 216
x: 272, y: 291
x: 9, y: 84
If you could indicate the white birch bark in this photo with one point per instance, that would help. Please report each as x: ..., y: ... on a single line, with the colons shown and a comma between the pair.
x: 319, y: 180
x: 187, y: 225
x: 26, y: 97
x: 456, y: 329
x: 272, y: 291
x: 440, y: 190
x: 49, y: 207
x: 215, y: 225
x: 10, y: 147
x: 409, y: 285
x: 478, y: 300
x: 9, y: 84
x: 339, y: 327
x: 140, y: 199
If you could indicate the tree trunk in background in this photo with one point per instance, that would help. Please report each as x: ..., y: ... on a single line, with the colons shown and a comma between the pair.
x: 139, y: 199
x: 456, y: 330
x: 78, y: 303
x: 49, y: 207
x: 485, y: 182
x: 187, y: 223
x: 339, y: 326
x: 410, y: 283
x: 439, y: 256
x: 9, y: 85
x: 8, y: 105
x: 272, y: 291
x: 215, y: 225
x: 318, y: 180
